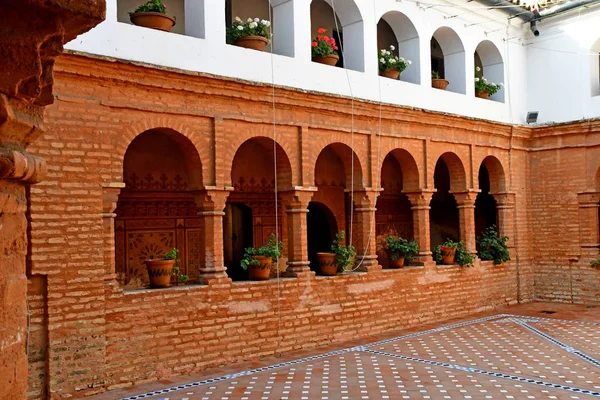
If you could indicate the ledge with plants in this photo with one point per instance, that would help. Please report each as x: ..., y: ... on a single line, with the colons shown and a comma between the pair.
x: 152, y: 14
x: 324, y: 49
x: 452, y: 252
x: 484, y: 88
x: 259, y: 261
x: 492, y: 246
x: 391, y: 66
x: 400, y: 251
x: 340, y: 259
x: 250, y: 34
x: 437, y: 81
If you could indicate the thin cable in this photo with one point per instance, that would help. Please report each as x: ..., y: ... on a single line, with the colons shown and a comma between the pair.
x: 351, y: 127
x: 275, y: 180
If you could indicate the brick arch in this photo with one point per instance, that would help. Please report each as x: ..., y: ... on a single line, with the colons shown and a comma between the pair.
x: 284, y: 167
x: 408, y: 165
x: 496, y: 172
x: 284, y: 145
x: 317, y: 147
x: 344, y: 151
x: 192, y: 142
x: 458, y: 176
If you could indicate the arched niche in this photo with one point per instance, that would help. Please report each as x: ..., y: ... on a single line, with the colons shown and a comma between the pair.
x: 395, y: 28
x: 488, y: 58
x: 448, y: 54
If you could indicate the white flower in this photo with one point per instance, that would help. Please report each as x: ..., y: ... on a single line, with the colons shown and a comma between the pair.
x: 382, y: 60
x: 253, y: 25
x: 382, y: 51
x: 240, y: 28
x: 485, y: 80
x: 409, y: 62
x: 238, y: 19
x: 501, y: 85
x: 256, y: 19
x: 401, y: 58
x: 267, y: 23
x: 391, y: 61
x: 476, y: 79
x: 392, y: 48
x: 249, y: 20
x: 477, y: 69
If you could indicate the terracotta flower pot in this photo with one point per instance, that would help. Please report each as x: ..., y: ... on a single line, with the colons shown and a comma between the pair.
x: 439, y: 83
x: 153, y: 20
x: 261, y: 272
x: 482, y: 95
x: 390, y: 73
x: 331, y: 59
x: 159, y: 272
x: 327, y: 263
x: 448, y: 255
x: 252, y: 42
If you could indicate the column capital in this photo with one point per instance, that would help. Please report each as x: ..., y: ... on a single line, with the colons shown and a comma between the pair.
x: 212, y: 198
x: 504, y: 199
x: 419, y: 198
x: 22, y: 166
x: 365, y: 199
x: 465, y: 198
x: 588, y: 198
x: 110, y: 196
x: 297, y: 199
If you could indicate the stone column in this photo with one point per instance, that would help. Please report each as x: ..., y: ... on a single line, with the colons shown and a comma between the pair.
x: 110, y: 195
x: 32, y: 34
x: 295, y: 203
x: 365, y: 234
x: 211, y: 206
x: 505, y: 206
x: 421, y: 227
x: 465, y: 202
x: 589, y: 240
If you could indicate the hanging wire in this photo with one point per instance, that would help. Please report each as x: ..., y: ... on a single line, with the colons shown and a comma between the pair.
x: 275, y: 188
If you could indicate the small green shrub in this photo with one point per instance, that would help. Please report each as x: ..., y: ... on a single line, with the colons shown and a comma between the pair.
x: 344, y: 255
x: 595, y: 264
x: 151, y: 6
x: 491, y: 246
x: 462, y: 257
x: 400, y: 247
x: 270, y: 249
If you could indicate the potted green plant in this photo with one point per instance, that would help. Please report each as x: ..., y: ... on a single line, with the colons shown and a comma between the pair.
x: 390, y: 65
x: 152, y: 14
x: 491, y: 246
x: 438, y: 82
x: 160, y: 270
x: 339, y: 259
x: 250, y: 34
x: 179, y: 277
x: 483, y: 88
x: 324, y: 49
x: 259, y: 260
x: 400, y: 251
x: 453, y: 252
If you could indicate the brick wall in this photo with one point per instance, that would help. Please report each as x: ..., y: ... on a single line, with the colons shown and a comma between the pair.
x: 100, y: 337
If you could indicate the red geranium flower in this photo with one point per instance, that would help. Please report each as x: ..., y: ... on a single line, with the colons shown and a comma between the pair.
x: 314, y: 44
x: 322, y: 30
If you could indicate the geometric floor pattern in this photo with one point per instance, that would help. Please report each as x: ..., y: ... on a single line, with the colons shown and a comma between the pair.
x: 501, y: 356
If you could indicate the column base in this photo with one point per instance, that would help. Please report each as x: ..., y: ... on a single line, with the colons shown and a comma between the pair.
x: 210, y: 275
x: 296, y: 267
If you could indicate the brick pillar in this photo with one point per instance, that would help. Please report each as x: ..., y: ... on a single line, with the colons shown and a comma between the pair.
x: 505, y: 206
x: 295, y: 203
x: 110, y: 195
x: 589, y: 235
x: 211, y: 206
x: 465, y: 202
x: 365, y: 234
x: 26, y: 61
x: 421, y: 228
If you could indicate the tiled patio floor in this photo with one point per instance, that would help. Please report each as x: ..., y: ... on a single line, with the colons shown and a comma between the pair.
x: 513, y: 353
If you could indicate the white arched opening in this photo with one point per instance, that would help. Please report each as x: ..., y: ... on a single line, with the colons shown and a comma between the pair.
x: 347, y: 28
x: 492, y: 66
x: 395, y: 28
x: 595, y: 68
x: 452, y: 54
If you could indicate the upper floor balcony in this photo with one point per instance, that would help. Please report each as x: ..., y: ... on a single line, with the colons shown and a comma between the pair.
x: 432, y: 40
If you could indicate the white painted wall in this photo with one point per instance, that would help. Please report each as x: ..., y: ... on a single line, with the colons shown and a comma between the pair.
x: 549, y: 81
x: 562, y: 68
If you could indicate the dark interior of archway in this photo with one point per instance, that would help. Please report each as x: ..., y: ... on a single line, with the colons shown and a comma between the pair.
x: 443, y: 215
x: 485, y: 204
x: 237, y: 235
x: 321, y: 230
x: 437, y: 58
